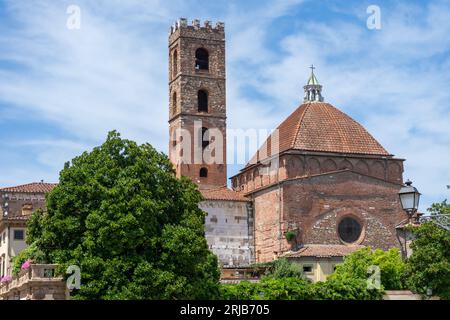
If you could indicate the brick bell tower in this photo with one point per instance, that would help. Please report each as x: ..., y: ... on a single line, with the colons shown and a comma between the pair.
x: 197, y: 106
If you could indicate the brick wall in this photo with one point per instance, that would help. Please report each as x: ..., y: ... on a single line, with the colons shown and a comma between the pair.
x: 314, y: 206
x: 185, y: 80
x: 268, y: 206
x: 292, y: 165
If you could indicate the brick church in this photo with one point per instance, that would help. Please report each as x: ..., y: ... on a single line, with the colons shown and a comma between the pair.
x: 328, y: 189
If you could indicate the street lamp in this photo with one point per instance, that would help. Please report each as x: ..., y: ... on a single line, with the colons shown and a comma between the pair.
x: 409, y: 199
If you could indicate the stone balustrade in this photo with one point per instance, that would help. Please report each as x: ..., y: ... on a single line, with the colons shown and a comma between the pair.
x: 38, y: 282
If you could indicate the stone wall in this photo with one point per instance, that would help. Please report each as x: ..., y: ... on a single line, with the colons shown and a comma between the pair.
x: 229, y: 231
x: 37, y: 283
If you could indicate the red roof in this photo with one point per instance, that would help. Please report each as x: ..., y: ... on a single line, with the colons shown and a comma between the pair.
x: 318, y: 126
x: 323, y: 250
x: 223, y: 193
x: 35, y: 187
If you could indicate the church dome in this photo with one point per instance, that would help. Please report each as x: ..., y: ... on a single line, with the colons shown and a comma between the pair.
x: 320, y: 127
x: 317, y: 126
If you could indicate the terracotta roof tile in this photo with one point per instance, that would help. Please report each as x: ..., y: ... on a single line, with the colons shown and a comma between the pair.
x: 322, y: 250
x: 35, y: 187
x: 223, y: 193
x: 318, y: 126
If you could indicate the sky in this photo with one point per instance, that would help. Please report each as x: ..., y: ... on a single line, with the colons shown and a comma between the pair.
x: 63, y: 89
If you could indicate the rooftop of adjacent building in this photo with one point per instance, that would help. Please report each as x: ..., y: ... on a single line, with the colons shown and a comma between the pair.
x: 34, y: 187
x: 223, y: 194
x: 323, y: 250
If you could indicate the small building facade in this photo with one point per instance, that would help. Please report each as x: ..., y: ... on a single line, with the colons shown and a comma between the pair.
x: 317, y: 262
x: 16, y: 206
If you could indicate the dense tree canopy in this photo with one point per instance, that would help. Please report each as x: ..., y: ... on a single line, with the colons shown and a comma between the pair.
x: 356, y: 266
x: 429, y: 264
x: 133, y: 228
x: 295, y: 288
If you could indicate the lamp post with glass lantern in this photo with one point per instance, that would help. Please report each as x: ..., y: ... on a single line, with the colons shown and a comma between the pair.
x: 409, y: 199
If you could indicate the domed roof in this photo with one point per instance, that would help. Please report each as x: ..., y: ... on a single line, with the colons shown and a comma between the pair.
x: 320, y: 127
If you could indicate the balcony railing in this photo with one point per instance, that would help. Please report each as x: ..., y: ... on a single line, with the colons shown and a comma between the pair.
x: 43, y: 274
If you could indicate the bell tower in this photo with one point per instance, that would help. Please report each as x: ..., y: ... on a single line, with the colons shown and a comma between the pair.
x: 197, y: 102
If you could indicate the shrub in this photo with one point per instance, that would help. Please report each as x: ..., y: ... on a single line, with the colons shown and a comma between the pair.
x: 32, y: 253
x: 245, y: 290
x: 344, y: 289
x: 356, y: 266
x: 290, y: 235
x: 268, y: 288
x: 294, y: 288
x: 282, y: 268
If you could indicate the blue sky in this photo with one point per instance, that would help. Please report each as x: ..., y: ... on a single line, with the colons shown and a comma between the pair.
x: 62, y: 90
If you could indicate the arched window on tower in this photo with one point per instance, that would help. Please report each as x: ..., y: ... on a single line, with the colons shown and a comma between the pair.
x: 175, y: 64
x: 202, y: 98
x: 205, y: 137
x: 203, y: 173
x: 201, y: 59
x: 174, y: 102
x: 174, y: 139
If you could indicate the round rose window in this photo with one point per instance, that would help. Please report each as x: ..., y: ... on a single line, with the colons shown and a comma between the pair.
x: 349, y: 230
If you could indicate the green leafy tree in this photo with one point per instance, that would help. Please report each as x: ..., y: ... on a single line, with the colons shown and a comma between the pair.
x: 429, y: 265
x: 281, y: 268
x: 344, y: 289
x: 269, y: 288
x: 133, y: 228
x: 291, y: 288
x: 244, y: 290
x: 356, y: 266
x: 294, y: 288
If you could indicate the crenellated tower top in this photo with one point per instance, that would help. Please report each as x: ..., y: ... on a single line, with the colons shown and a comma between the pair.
x: 195, y: 28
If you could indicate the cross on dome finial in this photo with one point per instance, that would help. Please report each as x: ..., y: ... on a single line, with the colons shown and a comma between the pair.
x: 313, y: 90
